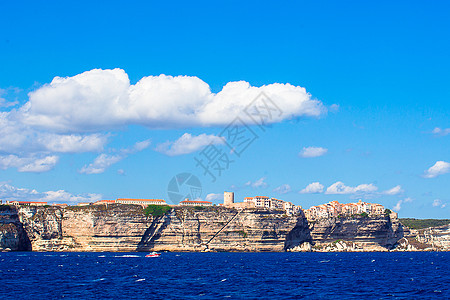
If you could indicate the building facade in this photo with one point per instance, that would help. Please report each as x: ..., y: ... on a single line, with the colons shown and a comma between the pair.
x: 143, y: 202
x: 188, y: 202
x: 26, y: 203
x: 335, y: 209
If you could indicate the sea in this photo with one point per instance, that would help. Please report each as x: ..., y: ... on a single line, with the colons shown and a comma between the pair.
x: 107, y: 275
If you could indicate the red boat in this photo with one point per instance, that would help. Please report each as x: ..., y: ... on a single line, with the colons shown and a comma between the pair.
x: 153, y: 254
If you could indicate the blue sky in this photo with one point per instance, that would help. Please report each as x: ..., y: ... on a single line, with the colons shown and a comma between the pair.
x: 375, y: 105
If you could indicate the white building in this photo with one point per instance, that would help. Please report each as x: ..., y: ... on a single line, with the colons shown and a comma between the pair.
x: 272, y: 203
x: 188, y: 202
x: 26, y: 203
x: 143, y: 202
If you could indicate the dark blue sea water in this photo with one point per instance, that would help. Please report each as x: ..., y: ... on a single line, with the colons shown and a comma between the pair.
x: 32, y: 275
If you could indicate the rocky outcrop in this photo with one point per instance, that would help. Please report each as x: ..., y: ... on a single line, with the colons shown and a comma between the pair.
x: 12, y: 235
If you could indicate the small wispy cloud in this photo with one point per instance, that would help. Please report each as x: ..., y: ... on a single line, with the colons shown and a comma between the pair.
x: 439, y: 203
x: 11, y: 193
x: 3, y: 102
x: 104, y: 161
x: 339, y: 188
x: 441, y: 131
x: 188, y: 143
x: 313, y: 188
x: 31, y: 163
x: 309, y: 152
x: 396, y: 190
x: 260, y: 183
x: 439, y: 168
x: 400, y: 203
x: 282, y: 189
x: 214, y: 197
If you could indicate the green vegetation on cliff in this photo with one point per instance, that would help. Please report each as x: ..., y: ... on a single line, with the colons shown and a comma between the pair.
x: 156, y: 210
x: 423, y: 223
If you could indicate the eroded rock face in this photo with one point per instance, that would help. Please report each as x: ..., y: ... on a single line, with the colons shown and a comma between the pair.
x: 429, y: 239
x: 219, y: 229
x: 90, y: 228
x: 12, y: 235
x: 369, y: 233
x: 125, y: 228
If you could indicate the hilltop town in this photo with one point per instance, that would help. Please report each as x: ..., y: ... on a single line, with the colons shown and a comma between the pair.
x: 323, y: 211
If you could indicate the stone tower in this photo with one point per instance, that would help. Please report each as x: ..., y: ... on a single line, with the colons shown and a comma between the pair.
x: 228, y: 198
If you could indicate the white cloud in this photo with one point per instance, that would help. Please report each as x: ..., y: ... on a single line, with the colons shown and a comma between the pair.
x: 30, y: 150
x: 398, y: 206
x: 104, y: 161
x: 69, y: 114
x: 313, y: 188
x: 34, y: 164
x: 101, y: 163
x: 214, y: 197
x: 73, y: 143
x: 63, y: 196
x: 340, y: 188
x: 188, y: 144
x: 441, y: 131
x: 16, y: 138
x: 283, y: 189
x: 260, y: 183
x: 439, y: 168
x: 439, y: 203
x: 407, y: 200
x: 40, y: 165
x: 4, y: 102
x: 11, y: 193
x: 334, y: 108
x: 394, y: 191
x: 99, y: 99
x: 308, y: 152
x: 400, y: 203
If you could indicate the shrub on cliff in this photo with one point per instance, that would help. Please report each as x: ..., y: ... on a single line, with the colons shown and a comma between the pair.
x: 4, y: 207
x: 156, y: 210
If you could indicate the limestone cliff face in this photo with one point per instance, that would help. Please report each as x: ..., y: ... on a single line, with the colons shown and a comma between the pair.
x: 437, y: 237
x: 219, y: 229
x: 125, y: 228
x: 12, y: 235
x: 91, y: 228
x: 429, y: 239
x: 378, y: 233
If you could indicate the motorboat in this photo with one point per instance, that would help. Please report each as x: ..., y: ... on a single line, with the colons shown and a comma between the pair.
x: 153, y: 254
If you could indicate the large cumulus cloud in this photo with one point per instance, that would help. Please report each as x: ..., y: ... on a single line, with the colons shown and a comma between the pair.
x: 100, y: 99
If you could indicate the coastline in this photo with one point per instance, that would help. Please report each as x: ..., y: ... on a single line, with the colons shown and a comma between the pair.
x: 125, y: 228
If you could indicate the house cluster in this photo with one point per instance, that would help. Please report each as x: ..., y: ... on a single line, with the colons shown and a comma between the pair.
x: 261, y: 202
x: 335, y: 209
